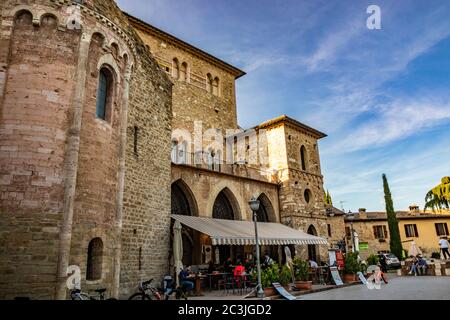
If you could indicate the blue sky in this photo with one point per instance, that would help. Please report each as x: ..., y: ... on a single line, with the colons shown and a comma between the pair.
x: 382, y: 96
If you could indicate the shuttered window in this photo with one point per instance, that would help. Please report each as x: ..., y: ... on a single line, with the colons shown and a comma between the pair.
x: 441, y: 229
x: 102, y: 94
x: 411, y: 230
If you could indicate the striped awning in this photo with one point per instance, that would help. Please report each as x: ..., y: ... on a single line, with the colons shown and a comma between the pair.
x: 232, y: 232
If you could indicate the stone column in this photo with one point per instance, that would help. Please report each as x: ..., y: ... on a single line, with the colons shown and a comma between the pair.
x: 121, y: 185
x: 71, y: 167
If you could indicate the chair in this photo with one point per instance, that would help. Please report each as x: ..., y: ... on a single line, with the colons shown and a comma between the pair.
x: 226, y: 283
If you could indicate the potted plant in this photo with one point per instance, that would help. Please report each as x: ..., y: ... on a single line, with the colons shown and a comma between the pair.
x: 268, y: 276
x: 351, y: 267
x: 301, y: 269
x: 285, y: 277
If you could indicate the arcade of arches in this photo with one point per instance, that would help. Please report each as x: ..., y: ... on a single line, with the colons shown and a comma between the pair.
x: 197, y: 248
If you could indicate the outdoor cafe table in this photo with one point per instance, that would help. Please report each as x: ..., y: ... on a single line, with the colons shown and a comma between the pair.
x: 197, y: 283
x: 219, y: 274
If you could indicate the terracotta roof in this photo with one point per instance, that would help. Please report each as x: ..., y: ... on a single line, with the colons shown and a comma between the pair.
x: 401, y: 215
x: 285, y: 119
x: 188, y: 47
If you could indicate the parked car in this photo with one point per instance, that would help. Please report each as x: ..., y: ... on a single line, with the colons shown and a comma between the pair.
x: 392, y: 262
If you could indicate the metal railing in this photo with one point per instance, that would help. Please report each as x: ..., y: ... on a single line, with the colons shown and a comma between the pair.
x: 203, y: 160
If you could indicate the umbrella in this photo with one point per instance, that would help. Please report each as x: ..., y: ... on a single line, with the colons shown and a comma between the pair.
x: 177, y: 249
x: 414, y: 249
x: 289, y: 262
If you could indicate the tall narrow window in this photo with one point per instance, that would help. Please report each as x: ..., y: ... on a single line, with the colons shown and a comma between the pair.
x: 209, y: 83
x: 329, y: 229
x: 174, y: 153
x: 215, y: 84
x: 104, y: 94
x: 135, y: 140
x: 176, y: 69
x: 184, y: 72
x: 303, y: 157
x: 94, y: 259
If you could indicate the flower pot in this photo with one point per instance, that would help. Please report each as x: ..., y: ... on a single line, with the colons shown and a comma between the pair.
x: 350, y: 278
x: 303, y: 285
x: 270, y: 291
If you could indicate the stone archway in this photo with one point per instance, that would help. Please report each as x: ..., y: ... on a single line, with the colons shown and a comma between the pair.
x: 312, y: 248
x: 266, y: 213
x: 225, y: 207
x: 184, y: 203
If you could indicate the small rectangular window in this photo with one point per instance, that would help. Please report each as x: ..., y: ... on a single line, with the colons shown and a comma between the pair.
x: 441, y: 229
x: 411, y: 230
x: 379, y: 232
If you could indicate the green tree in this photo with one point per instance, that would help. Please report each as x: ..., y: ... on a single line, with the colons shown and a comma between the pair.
x: 439, y: 196
x: 395, y: 242
x: 327, y: 198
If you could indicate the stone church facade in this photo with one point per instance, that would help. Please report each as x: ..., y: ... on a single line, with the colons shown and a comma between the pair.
x: 108, y: 125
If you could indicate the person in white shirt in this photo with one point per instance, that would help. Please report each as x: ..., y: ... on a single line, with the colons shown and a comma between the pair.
x: 313, y: 264
x: 443, y: 244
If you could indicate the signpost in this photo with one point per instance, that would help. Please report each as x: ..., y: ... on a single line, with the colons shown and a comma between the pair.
x: 283, y: 291
x: 336, y: 277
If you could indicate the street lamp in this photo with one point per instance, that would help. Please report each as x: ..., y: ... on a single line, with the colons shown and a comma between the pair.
x: 254, y: 205
x: 351, y: 216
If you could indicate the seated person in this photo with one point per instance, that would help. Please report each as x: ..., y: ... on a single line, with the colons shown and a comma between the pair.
x: 228, y: 266
x: 422, y: 265
x: 248, y: 266
x: 239, y: 273
x: 414, y: 265
x: 313, y: 264
x: 184, y: 276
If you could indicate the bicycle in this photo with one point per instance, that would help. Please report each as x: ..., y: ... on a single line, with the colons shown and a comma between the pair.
x: 77, y: 294
x: 143, y: 295
x: 163, y: 293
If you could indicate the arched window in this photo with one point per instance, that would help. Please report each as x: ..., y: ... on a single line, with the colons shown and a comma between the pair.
x: 176, y: 69
x: 94, y: 259
x: 222, y: 208
x: 184, y: 72
x: 303, y: 157
x: 210, y: 159
x: 209, y: 83
x: 182, y: 152
x: 105, y: 94
x: 174, y: 153
x: 215, y: 87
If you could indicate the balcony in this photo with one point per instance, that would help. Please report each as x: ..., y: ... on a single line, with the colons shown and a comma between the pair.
x: 205, y: 161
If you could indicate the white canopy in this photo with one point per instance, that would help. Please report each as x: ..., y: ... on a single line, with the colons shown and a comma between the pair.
x: 232, y: 232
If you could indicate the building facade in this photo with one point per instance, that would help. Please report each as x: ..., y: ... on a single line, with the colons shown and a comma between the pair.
x: 110, y: 125
x: 372, y: 230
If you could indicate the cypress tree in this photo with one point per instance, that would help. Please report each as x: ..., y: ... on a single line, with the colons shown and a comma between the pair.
x: 395, y: 242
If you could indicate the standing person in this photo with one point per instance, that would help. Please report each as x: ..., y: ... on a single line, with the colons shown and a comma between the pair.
x: 443, y: 244
x: 268, y: 261
x: 383, y: 264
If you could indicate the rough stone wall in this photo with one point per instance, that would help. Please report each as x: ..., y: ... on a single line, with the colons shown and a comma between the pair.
x: 364, y: 229
x: 337, y: 225
x: 191, y: 103
x: 33, y: 123
x: 284, y: 154
x: 39, y: 58
x: 146, y: 224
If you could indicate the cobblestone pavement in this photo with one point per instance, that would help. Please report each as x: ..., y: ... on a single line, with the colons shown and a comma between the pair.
x: 398, y: 288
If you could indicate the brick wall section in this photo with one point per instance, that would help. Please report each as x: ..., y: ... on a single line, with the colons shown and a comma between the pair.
x: 33, y: 124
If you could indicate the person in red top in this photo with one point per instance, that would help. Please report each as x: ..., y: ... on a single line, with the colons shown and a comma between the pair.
x: 239, y: 273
